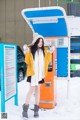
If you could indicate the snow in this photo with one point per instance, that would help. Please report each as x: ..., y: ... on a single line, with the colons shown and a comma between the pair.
x: 68, y: 102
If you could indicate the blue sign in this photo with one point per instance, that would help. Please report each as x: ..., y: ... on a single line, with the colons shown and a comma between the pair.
x: 8, y: 74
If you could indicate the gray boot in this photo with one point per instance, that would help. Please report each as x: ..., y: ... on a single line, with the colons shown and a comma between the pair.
x: 36, y: 109
x: 25, y: 111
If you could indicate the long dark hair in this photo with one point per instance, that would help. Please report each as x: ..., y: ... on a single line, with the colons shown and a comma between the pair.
x: 35, y: 47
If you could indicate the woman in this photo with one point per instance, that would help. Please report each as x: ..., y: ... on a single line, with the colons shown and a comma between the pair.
x: 37, y: 58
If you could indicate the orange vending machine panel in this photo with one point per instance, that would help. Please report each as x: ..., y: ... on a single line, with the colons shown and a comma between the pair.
x: 48, y: 89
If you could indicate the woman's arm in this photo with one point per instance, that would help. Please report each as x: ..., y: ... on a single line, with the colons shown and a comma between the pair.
x: 51, y: 49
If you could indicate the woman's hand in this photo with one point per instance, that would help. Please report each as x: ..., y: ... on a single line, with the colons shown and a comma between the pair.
x: 51, y: 49
x: 25, y: 49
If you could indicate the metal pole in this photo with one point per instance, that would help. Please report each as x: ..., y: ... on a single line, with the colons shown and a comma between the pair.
x: 57, y: 2
x: 49, y: 2
x: 39, y: 3
x: 68, y: 81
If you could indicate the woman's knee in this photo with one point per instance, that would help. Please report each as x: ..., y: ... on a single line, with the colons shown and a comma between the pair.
x: 32, y: 88
x: 37, y: 89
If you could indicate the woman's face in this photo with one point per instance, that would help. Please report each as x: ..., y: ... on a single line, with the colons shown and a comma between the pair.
x: 40, y: 43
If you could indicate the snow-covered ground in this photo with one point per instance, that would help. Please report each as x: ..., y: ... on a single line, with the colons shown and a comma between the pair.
x: 67, y: 108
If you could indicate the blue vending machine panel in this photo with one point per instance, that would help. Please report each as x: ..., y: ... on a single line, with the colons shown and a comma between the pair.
x: 62, y: 62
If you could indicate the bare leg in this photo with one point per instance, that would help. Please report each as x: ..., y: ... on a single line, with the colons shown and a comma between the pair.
x: 37, y: 99
x: 37, y: 92
x: 26, y: 105
x: 29, y: 94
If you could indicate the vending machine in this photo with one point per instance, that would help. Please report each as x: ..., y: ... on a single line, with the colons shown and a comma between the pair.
x: 74, y: 26
x: 48, y: 90
x: 50, y: 22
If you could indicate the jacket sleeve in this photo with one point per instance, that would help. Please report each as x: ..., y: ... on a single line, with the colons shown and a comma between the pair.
x: 29, y: 62
x: 48, y: 56
x: 27, y: 58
